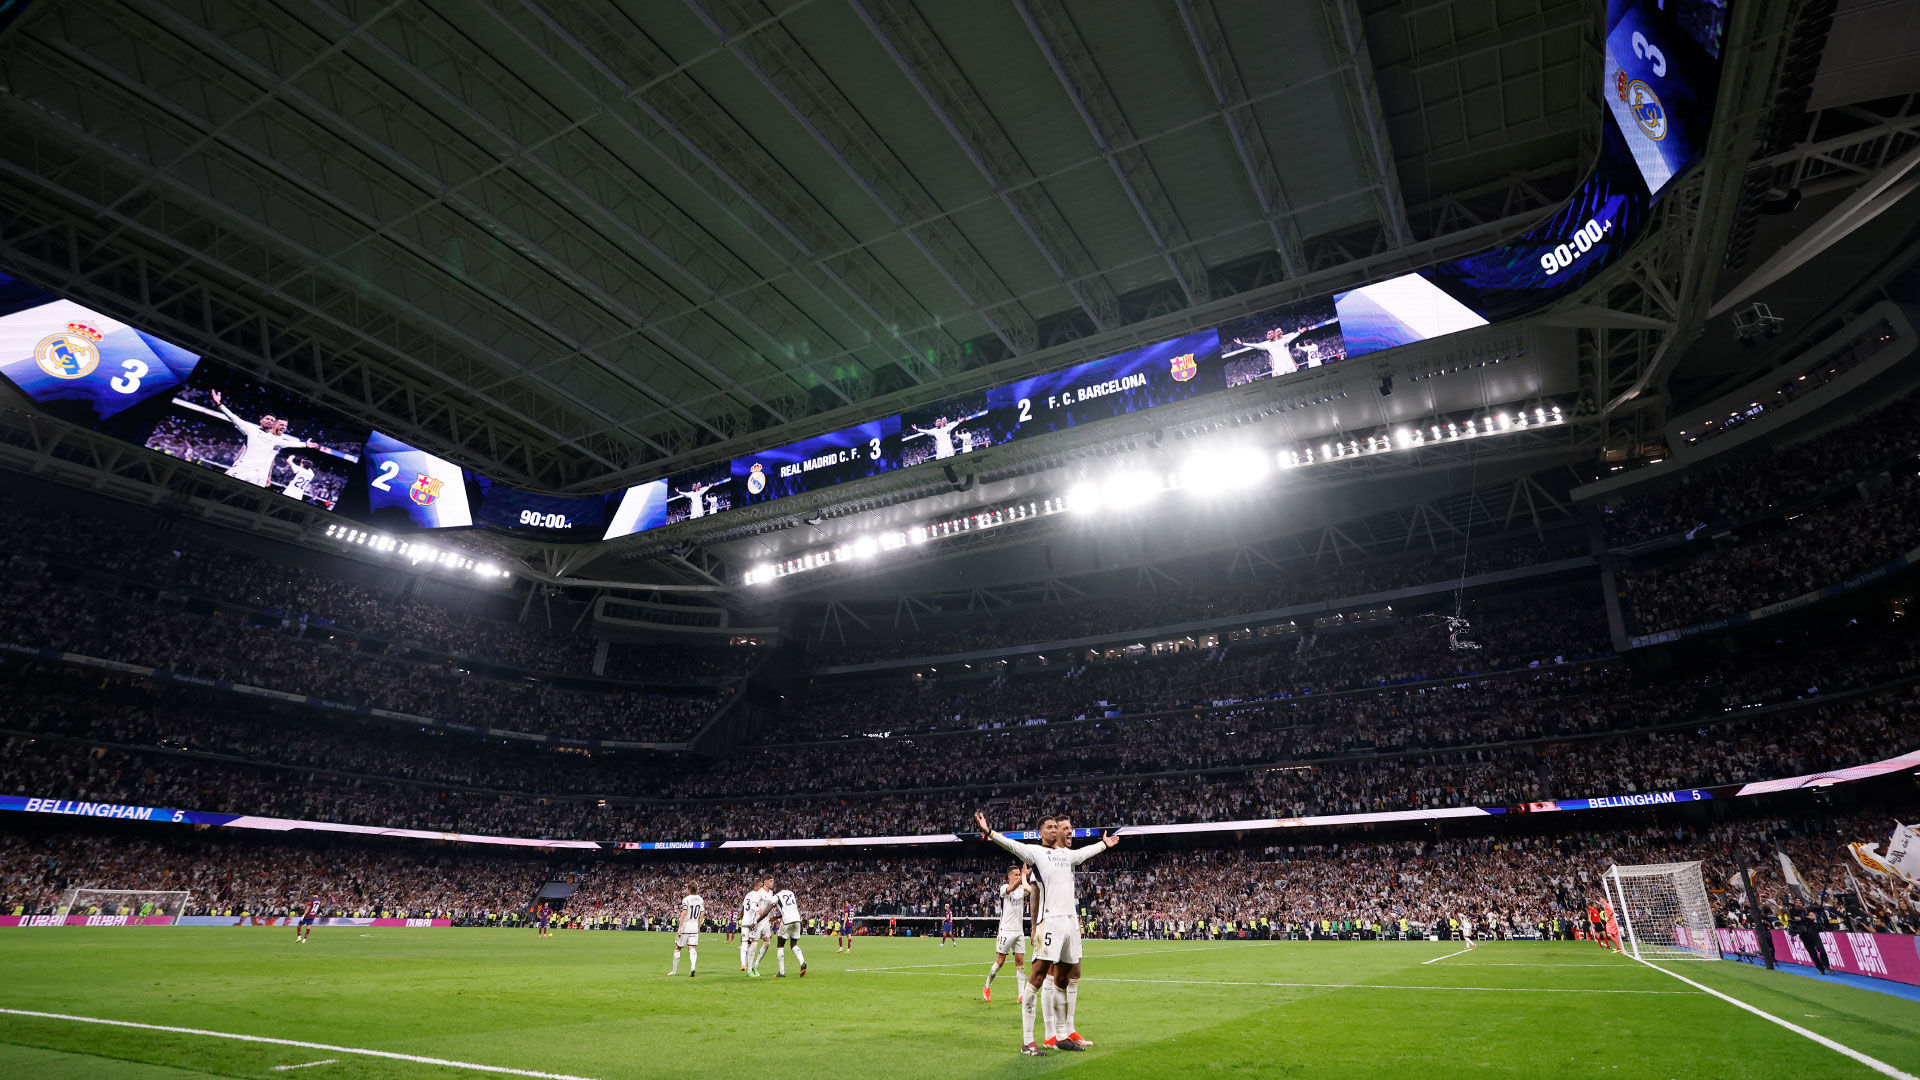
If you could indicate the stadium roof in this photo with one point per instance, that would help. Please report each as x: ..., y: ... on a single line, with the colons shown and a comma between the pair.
x: 577, y: 245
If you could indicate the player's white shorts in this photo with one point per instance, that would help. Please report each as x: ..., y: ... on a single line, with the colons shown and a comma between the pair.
x: 252, y: 474
x: 1007, y: 944
x: 787, y: 932
x: 1057, y: 941
x: 686, y: 941
x: 763, y: 932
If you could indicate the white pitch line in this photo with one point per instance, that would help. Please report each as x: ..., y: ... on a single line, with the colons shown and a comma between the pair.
x: 1327, y: 986
x: 388, y: 1054
x: 1449, y: 956
x: 1873, y: 1063
x: 306, y: 1065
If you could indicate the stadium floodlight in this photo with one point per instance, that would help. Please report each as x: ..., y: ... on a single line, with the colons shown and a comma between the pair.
x: 1125, y: 490
x: 1084, y: 497
x: 864, y: 548
x: 1225, y: 472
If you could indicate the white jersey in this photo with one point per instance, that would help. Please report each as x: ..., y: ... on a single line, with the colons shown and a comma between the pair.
x: 1053, y: 873
x: 1013, y: 907
x: 697, y: 503
x: 297, y: 487
x: 759, y: 908
x: 788, y: 905
x: 690, y: 911
x: 255, y: 463
x: 942, y: 440
x: 1279, y: 354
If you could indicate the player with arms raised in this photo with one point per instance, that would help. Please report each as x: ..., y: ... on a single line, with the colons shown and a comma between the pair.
x: 942, y: 435
x: 1011, y: 939
x: 1278, y: 345
x: 688, y: 938
x: 696, y: 497
x: 265, y: 440
x: 1057, y: 926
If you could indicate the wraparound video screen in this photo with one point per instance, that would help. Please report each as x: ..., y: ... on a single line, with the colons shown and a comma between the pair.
x: 1661, y: 73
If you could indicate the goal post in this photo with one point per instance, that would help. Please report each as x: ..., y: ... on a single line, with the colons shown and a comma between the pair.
x: 1662, y: 912
x: 147, y: 905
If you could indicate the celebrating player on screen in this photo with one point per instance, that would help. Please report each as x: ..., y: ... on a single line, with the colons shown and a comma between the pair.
x: 696, y: 496
x: 265, y: 440
x: 1278, y: 345
x: 942, y: 435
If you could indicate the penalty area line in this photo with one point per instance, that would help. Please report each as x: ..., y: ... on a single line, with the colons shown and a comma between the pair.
x: 1873, y: 1063
x: 388, y: 1054
x: 1449, y: 956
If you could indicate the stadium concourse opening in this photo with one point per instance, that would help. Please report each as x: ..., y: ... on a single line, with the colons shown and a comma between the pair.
x: 891, y: 539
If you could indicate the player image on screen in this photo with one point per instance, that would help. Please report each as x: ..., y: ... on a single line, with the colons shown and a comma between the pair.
x: 1282, y: 341
x: 222, y: 421
x: 699, y: 493
x: 946, y: 430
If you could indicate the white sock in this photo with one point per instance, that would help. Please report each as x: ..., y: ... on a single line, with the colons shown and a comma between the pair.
x: 693, y: 958
x: 993, y: 969
x: 780, y: 955
x: 1050, y: 1009
x: 675, y: 969
x: 1062, y: 1027
x: 743, y: 951
x: 1073, y: 999
x: 1026, y: 1017
x: 799, y: 957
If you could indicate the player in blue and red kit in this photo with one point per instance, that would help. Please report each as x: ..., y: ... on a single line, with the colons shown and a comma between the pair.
x: 846, y: 932
x: 307, y: 918
x: 946, y: 929
x: 541, y: 914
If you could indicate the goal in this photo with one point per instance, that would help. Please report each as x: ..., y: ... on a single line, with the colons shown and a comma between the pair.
x: 149, y: 906
x: 1662, y: 911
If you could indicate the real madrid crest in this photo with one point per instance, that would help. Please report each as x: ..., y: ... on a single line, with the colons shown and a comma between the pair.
x: 756, y: 479
x: 1643, y: 104
x: 72, y: 353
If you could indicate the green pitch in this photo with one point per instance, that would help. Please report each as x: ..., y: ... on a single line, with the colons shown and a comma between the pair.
x: 600, y: 1005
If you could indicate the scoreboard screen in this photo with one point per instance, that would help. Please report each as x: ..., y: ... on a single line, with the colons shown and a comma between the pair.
x: 822, y: 461
x: 1142, y: 378
x: 1659, y: 84
x: 639, y: 508
x: 541, y: 517
x: 84, y: 367
x: 407, y: 486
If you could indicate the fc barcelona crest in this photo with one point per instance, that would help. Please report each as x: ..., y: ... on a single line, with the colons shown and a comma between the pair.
x: 425, y: 489
x: 1184, y: 368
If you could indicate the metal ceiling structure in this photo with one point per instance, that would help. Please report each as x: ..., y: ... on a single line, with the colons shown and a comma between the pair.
x: 579, y: 245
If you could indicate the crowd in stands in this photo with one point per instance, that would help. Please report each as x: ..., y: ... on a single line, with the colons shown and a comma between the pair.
x: 1512, y: 885
x: 305, y: 595
x: 39, y: 610
x: 1512, y: 632
x: 1813, y: 550
x: 1169, y: 605
x: 1499, y: 741
x: 1745, y: 487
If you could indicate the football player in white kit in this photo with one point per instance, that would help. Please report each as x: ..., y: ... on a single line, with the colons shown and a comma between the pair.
x: 688, y: 938
x: 1278, y: 345
x: 1056, y: 928
x: 265, y: 440
x: 1011, y: 938
x: 942, y: 435
x: 697, y: 498
x: 302, y: 478
x: 763, y: 906
x: 788, y: 933
x: 1466, y: 932
x: 749, y: 919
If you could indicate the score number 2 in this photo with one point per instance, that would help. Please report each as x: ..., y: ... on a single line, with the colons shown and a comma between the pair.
x: 389, y: 471
x: 1585, y: 237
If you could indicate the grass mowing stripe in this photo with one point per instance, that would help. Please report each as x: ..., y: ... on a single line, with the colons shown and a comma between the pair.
x: 1873, y: 1063
x: 442, y: 1062
x: 1332, y: 986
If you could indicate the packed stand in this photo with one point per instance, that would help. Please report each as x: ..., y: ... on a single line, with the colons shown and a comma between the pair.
x: 1177, y: 604
x: 1720, y: 494
x: 1814, y: 550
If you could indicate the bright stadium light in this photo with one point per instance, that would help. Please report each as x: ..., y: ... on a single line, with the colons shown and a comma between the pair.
x: 1221, y: 473
x: 1126, y: 490
x: 1084, y: 497
x: 864, y: 548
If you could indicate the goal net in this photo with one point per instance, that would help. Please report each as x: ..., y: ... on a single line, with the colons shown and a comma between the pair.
x: 127, y: 905
x: 1661, y: 911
